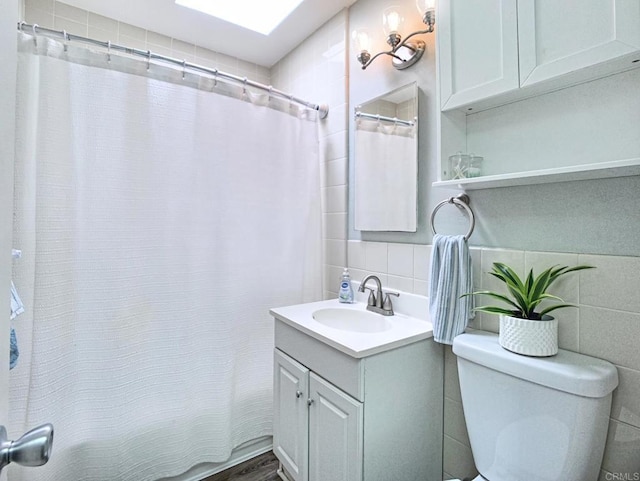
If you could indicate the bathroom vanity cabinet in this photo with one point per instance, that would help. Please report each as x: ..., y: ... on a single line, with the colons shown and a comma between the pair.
x: 514, y: 74
x: 338, y: 417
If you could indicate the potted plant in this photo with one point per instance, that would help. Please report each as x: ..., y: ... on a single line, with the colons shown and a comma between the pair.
x: 525, y: 326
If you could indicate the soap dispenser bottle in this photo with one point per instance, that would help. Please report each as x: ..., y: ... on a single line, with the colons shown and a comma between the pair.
x: 345, y: 294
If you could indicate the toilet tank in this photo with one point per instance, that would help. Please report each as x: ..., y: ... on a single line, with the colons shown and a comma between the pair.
x: 534, y: 419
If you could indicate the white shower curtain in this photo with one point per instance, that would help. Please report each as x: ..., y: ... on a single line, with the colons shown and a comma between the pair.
x: 159, y: 221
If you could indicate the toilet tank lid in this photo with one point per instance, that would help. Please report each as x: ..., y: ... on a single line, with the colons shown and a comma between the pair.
x: 566, y: 371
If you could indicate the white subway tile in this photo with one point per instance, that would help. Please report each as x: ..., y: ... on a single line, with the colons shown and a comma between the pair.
x: 132, y: 31
x: 336, y: 226
x: 356, y: 254
x: 421, y: 262
x: 70, y: 26
x: 41, y: 17
x: 336, y: 199
x: 400, y: 259
x: 621, y: 451
x: 457, y: 459
x: 567, y: 286
x: 614, y: 283
x: 183, y: 48
x: 421, y: 287
x: 103, y: 23
x: 69, y: 12
x: 132, y: 42
x: 102, y: 35
x: 159, y: 39
x: 611, y: 335
x: 398, y: 283
x: 626, y: 398
x: 512, y: 258
x: 336, y: 172
x: 376, y: 260
x: 476, y: 266
x: 336, y: 146
x: 454, y: 423
x: 45, y: 5
x: 336, y: 252
x: 451, y: 379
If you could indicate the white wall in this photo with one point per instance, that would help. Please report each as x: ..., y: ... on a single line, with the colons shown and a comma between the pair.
x: 316, y: 70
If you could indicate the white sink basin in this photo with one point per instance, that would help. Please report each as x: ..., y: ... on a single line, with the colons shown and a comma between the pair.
x: 352, y: 320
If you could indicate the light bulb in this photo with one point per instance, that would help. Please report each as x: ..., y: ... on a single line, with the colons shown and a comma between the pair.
x: 427, y: 9
x: 392, y: 20
x: 425, y: 6
x: 361, y: 40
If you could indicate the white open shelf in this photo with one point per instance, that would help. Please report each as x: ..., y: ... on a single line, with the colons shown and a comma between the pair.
x: 602, y: 170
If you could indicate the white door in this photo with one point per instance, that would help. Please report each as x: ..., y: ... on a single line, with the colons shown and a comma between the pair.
x: 477, y: 50
x: 569, y: 37
x: 335, y: 433
x: 291, y: 416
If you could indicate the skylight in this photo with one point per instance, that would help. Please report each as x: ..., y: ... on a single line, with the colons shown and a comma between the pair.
x: 261, y: 16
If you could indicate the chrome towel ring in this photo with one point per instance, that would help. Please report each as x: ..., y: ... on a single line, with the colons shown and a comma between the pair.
x: 461, y: 201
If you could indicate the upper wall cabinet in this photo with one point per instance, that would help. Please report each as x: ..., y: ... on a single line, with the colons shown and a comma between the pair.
x: 539, y: 91
x: 572, y: 37
x: 478, y: 50
x: 492, y: 52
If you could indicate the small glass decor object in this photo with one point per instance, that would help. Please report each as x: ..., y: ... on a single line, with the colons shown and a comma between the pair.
x: 458, y: 166
x: 475, y: 166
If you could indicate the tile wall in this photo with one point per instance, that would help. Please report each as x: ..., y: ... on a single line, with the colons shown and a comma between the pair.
x: 316, y: 70
x: 606, y: 325
x: 60, y: 16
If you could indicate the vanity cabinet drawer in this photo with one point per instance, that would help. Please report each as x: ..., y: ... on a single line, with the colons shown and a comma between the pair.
x: 342, y: 370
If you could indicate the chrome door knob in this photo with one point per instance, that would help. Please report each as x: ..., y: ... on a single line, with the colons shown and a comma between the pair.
x: 32, y: 449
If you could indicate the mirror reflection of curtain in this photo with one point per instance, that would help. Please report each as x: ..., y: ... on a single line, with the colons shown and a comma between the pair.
x: 386, y: 176
x: 159, y: 221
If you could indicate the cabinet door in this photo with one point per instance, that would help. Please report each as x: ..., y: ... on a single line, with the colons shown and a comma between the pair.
x: 568, y: 37
x: 335, y: 433
x: 290, y: 417
x: 477, y: 50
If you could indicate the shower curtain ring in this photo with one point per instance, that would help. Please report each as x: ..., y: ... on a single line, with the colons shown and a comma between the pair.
x: 65, y: 37
x: 148, y: 60
x: 35, y: 40
x: 215, y: 77
x: 21, y: 26
x: 109, y: 51
x: 270, y: 90
x: 244, y: 88
x: 184, y: 69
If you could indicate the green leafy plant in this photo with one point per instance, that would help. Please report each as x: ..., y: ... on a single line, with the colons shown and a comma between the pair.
x: 524, y: 297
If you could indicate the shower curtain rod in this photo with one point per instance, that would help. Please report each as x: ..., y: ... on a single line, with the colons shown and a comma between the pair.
x: 322, y: 109
x: 384, y: 118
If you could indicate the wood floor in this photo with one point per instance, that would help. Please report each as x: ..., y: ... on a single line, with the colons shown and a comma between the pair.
x: 261, y: 468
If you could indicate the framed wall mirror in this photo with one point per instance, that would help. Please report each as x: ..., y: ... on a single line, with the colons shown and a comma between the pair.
x: 386, y: 162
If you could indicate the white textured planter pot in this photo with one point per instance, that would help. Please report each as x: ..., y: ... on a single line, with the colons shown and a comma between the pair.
x: 531, y: 338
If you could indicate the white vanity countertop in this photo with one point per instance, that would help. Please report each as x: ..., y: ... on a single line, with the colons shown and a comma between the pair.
x: 405, y: 328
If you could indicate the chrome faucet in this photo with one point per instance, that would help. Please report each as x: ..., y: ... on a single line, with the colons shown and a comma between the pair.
x: 375, y: 302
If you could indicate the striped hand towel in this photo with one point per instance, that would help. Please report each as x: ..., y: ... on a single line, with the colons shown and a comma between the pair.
x: 451, y: 276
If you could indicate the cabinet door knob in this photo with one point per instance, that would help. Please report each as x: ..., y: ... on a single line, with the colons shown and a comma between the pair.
x: 299, y: 394
x: 309, y: 402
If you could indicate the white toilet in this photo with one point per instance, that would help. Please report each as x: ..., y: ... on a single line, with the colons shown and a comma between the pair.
x: 533, y: 419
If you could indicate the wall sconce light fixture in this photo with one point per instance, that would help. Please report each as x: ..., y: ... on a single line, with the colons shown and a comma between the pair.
x: 403, y: 53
